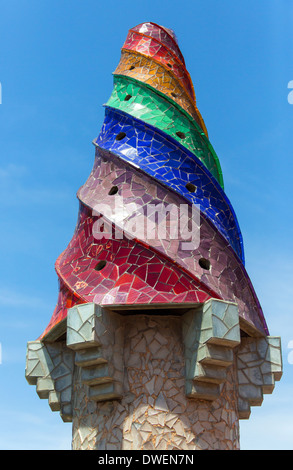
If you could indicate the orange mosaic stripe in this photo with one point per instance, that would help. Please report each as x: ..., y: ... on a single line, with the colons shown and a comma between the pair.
x: 155, y: 49
x: 159, y: 77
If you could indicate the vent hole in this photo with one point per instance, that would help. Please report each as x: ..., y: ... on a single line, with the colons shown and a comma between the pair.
x: 127, y: 97
x: 120, y: 136
x: 169, y: 65
x: 190, y: 187
x: 204, y: 263
x: 181, y: 135
x: 113, y: 190
x: 100, y: 265
x: 174, y: 94
x: 132, y: 67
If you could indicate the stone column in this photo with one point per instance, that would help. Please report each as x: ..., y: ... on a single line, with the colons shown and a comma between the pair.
x: 154, y: 382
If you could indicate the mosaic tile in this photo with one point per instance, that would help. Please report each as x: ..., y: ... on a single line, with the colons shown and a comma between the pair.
x: 173, y: 165
x: 151, y: 47
x: 139, y: 100
x: 119, y: 281
x: 50, y: 368
x: 154, y: 412
x: 159, y: 77
x: 226, y: 272
x: 142, y: 118
x: 259, y: 365
x: 161, y: 34
x: 158, y: 340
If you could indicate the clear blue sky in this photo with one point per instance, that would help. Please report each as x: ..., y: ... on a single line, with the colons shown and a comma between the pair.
x: 56, y: 64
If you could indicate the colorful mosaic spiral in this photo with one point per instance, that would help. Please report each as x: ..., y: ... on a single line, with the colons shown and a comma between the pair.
x: 153, y: 150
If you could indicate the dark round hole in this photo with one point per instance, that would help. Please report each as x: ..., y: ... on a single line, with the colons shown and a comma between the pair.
x: 204, y: 263
x: 127, y: 97
x: 190, y: 187
x: 169, y: 65
x: 113, y: 190
x: 174, y: 94
x: 120, y: 136
x: 181, y: 135
x: 132, y: 67
x: 100, y: 265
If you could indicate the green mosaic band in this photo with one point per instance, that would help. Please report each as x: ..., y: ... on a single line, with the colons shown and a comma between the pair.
x: 153, y: 107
